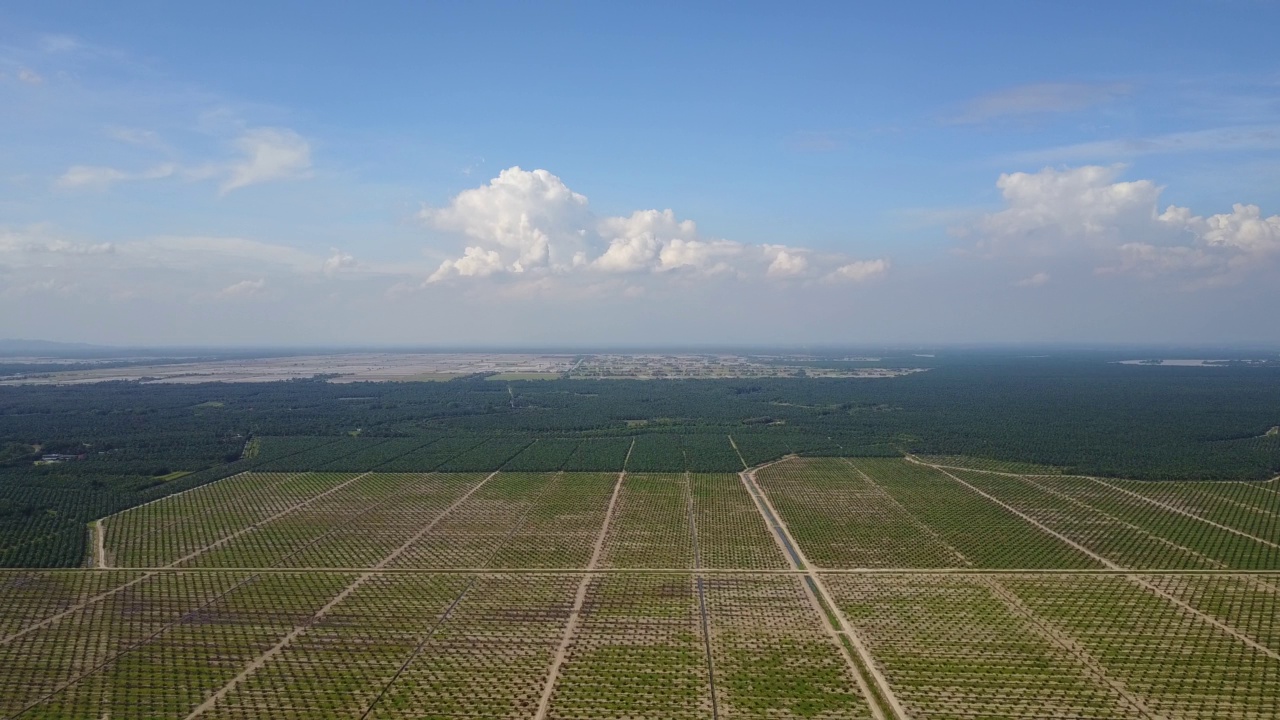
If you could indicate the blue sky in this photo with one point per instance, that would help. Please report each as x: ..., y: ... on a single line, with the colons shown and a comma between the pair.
x: 501, y: 173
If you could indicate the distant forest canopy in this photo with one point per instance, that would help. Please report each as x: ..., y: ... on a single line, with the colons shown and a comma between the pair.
x: 129, y: 443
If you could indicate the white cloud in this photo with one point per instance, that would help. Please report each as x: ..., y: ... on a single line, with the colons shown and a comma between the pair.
x: 1225, y: 139
x: 475, y: 262
x: 30, y: 77
x: 1036, y: 280
x: 1087, y: 213
x: 1052, y: 208
x: 98, y: 177
x: 269, y: 154
x: 338, y: 262
x: 244, y: 288
x: 1039, y: 99
x: 861, y: 270
x: 529, y: 221
x: 787, y: 262
x: 636, y: 241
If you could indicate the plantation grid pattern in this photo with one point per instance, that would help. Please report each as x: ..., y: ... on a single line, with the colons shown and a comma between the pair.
x: 804, y: 588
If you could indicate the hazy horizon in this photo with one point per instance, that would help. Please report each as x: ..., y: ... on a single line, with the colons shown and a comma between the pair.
x: 596, y: 176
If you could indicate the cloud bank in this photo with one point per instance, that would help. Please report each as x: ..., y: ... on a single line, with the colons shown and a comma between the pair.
x: 531, y: 222
x: 1088, y: 213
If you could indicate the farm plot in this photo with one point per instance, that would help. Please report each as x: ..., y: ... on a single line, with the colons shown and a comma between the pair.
x: 1176, y: 662
x: 172, y: 671
x: 1238, y: 506
x: 169, y: 530
x: 731, y: 532
x: 638, y: 651
x: 651, y: 525
x: 32, y: 597
x: 988, y: 534
x: 1227, y: 547
x: 842, y: 519
x: 341, y: 527
x: 1123, y: 543
x: 770, y: 655
x: 951, y: 647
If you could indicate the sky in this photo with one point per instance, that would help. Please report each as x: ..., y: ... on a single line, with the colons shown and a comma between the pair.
x: 592, y: 174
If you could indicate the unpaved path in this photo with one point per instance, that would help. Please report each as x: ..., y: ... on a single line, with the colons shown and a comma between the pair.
x: 702, y: 594
x: 99, y: 545
x: 813, y: 582
x: 257, y: 663
x: 579, y: 598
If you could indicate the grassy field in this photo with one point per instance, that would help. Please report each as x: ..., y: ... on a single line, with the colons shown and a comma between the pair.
x: 935, y: 587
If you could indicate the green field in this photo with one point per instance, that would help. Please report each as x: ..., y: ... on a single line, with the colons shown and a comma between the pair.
x: 805, y: 588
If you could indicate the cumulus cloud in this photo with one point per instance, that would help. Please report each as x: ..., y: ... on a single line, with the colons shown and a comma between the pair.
x: 786, y: 262
x: 1039, y: 99
x: 527, y: 220
x: 1087, y: 212
x: 30, y: 77
x: 530, y: 221
x: 268, y: 154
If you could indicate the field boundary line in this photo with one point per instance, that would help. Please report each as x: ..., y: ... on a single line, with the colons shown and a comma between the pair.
x: 260, y: 523
x: 922, y: 525
x: 1067, y: 643
x: 1027, y: 518
x: 813, y: 584
x: 255, y: 664
x: 1180, y: 511
x: 702, y: 594
x: 580, y: 597
x: 741, y: 459
x: 666, y: 570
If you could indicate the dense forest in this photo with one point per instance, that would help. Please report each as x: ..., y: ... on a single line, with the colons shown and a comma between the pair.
x: 135, y: 442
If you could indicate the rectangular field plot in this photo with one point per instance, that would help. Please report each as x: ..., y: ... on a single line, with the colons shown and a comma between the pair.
x: 771, y: 656
x: 1185, y: 536
x: 690, y: 520
x: 517, y: 520
x: 951, y: 647
x: 843, y: 520
x: 1044, y: 645
x: 638, y: 651
x: 169, y: 530
x: 1178, y: 664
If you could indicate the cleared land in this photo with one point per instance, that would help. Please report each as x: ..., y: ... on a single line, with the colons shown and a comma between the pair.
x: 807, y: 588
